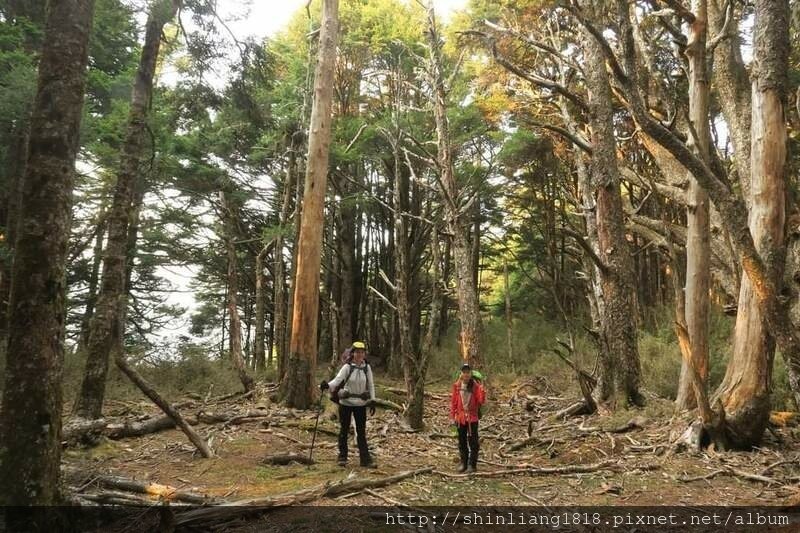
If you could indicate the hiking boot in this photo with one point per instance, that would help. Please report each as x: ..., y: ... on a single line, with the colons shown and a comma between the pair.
x: 369, y: 463
x: 341, y: 461
x: 471, y: 469
x: 461, y: 469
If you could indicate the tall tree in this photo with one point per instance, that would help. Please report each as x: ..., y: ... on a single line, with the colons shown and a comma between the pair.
x: 457, y: 204
x: 228, y: 215
x: 103, y: 330
x: 745, y: 390
x: 30, y: 420
x: 620, y: 367
x: 298, y: 386
x: 698, y: 245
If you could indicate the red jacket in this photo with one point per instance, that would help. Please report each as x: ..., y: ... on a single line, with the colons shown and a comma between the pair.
x: 470, y: 414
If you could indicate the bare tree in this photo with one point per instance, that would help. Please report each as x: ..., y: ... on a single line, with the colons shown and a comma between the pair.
x: 457, y: 204
x: 305, y: 308
x: 698, y: 245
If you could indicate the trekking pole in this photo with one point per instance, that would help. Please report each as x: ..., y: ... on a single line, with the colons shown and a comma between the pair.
x: 316, y: 423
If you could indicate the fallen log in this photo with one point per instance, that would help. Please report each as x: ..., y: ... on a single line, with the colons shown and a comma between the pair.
x: 731, y: 472
x: 163, y: 492
x: 81, y: 431
x: 386, y: 404
x: 568, y: 469
x: 169, y: 410
x: 238, y: 508
x: 402, y: 392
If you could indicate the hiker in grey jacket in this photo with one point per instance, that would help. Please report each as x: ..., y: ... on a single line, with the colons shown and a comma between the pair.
x: 356, y: 392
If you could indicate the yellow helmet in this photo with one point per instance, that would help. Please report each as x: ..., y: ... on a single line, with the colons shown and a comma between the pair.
x: 358, y: 345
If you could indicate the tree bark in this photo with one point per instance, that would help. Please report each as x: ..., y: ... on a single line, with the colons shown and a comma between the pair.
x: 89, y: 403
x: 620, y: 368
x: 466, y: 287
x: 235, y: 325
x: 414, y: 365
x: 345, y: 244
x: 733, y: 88
x: 698, y: 236
x: 279, y: 299
x: 297, y: 385
x: 260, y: 341
x: 30, y: 419
x: 745, y: 390
x: 772, y: 39
x: 509, y: 323
x: 12, y: 212
x: 94, y: 278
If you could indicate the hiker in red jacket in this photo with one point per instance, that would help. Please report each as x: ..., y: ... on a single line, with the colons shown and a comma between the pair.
x: 467, y: 391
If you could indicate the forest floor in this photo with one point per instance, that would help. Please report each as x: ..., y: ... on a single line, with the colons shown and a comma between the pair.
x: 627, y: 466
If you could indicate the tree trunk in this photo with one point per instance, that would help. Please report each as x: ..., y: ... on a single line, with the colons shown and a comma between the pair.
x: 411, y: 363
x: 260, y: 341
x: 298, y: 387
x: 102, y: 339
x: 772, y: 42
x: 345, y: 243
x: 30, y: 418
x: 279, y: 283
x: 12, y: 214
x: 733, y: 88
x: 698, y: 236
x: 94, y: 278
x: 509, y: 324
x: 620, y: 368
x: 466, y: 288
x: 745, y: 390
x: 235, y: 325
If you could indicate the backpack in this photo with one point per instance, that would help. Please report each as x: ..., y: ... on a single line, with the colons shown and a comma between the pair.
x: 350, y: 367
x: 347, y: 356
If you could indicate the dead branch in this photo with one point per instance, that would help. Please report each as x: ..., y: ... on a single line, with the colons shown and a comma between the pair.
x: 568, y: 469
x: 239, y: 508
x: 731, y: 472
x: 162, y: 492
x: 575, y: 409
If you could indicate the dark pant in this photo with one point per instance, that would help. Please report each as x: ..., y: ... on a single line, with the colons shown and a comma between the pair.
x: 468, y: 444
x: 360, y: 414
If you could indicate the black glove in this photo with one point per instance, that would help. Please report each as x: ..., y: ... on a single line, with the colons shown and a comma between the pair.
x: 364, y: 396
x: 372, y: 410
x: 344, y: 393
x: 323, y: 385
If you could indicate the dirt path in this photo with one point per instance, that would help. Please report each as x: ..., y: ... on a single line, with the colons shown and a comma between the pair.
x: 639, y: 467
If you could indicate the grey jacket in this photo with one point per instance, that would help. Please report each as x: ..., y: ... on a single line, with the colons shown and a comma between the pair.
x: 356, y: 383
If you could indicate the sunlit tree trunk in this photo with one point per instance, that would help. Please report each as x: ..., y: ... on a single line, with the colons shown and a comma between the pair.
x: 463, y: 255
x: 698, y: 237
x: 745, y: 390
x: 298, y: 388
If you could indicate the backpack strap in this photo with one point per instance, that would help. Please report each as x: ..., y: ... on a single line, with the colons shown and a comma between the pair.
x: 349, y: 373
